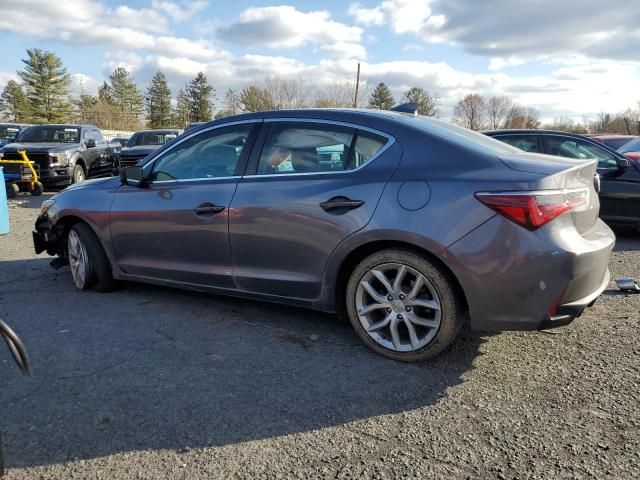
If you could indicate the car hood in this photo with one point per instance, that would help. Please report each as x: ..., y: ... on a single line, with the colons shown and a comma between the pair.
x: 92, y: 183
x: 41, y: 147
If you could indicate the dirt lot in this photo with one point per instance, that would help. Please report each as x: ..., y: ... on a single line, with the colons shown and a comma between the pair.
x: 152, y: 383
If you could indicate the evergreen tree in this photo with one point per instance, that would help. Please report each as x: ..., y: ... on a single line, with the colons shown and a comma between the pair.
x: 46, y: 83
x: 381, y: 98
x: 200, y: 95
x: 158, y: 101
x: 126, y: 96
x: 13, y: 103
x: 428, y: 104
x: 182, y: 114
x: 104, y: 93
x: 254, y: 99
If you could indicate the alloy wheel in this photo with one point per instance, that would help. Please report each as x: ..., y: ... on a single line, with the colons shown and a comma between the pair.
x: 398, y: 307
x: 78, y: 260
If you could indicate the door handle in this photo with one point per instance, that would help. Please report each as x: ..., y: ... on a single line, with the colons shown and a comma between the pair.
x: 207, y: 209
x: 341, y: 202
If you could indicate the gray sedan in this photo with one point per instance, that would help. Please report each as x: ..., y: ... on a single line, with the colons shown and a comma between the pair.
x: 407, y: 225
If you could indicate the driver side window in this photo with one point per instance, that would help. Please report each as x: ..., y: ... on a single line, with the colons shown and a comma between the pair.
x: 211, y: 154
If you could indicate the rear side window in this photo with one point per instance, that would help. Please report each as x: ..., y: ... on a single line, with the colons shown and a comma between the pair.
x: 315, y: 148
x: 527, y: 143
x: 575, y: 148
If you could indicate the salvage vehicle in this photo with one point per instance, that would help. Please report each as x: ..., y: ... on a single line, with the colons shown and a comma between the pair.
x: 64, y: 154
x: 143, y: 143
x: 406, y: 224
x: 619, y: 178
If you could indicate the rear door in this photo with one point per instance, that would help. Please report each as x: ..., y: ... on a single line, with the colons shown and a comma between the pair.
x: 311, y: 185
x: 619, y: 189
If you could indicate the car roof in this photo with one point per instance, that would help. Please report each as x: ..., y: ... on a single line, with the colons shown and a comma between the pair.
x: 611, y: 136
x: 532, y: 131
x: 158, y: 130
x: 65, y: 125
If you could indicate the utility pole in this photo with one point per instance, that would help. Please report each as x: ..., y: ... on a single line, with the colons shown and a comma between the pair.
x: 355, y: 99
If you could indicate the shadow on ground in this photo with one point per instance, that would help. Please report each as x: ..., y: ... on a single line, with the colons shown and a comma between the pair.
x: 25, y: 200
x: 152, y: 368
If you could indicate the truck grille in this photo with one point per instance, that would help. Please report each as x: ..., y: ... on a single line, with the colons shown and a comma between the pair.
x: 130, y: 161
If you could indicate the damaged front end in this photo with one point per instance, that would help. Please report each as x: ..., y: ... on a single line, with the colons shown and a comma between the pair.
x: 49, y: 237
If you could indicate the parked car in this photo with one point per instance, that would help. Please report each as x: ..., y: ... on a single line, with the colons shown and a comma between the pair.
x: 619, y: 178
x: 613, y: 141
x: 121, y: 140
x: 8, y: 132
x: 143, y: 143
x: 64, y: 154
x: 409, y: 225
x: 631, y: 150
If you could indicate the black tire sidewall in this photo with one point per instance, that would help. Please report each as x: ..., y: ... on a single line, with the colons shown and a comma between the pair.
x: 452, y: 312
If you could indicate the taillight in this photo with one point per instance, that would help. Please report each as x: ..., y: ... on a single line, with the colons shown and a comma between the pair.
x: 533, y: 209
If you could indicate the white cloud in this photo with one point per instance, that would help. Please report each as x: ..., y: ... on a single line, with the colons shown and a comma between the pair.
x: 343, y: 50
x: 181, y: 11
x: 285, y: 26
x: 146, y: 20
x: 85, y: 84
x: 412, y: 47
x: 403, y: 15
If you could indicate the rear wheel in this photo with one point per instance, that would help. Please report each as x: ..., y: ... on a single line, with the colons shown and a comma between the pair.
x: 89, y: 264
x: 403, y: 306
x: 79, y: 174
x: 12, y: 190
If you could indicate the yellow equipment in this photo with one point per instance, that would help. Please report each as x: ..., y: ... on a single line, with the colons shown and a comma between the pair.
x: 21, y: 172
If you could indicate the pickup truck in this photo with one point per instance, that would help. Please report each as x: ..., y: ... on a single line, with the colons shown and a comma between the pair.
x: 8, y: 132
x: 64, y: 154
x: 145, y: 142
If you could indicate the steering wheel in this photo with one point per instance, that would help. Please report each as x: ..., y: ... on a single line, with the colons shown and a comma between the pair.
x: 16, y: 348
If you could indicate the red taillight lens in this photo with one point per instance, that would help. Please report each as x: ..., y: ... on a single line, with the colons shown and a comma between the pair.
x: 533, y: 209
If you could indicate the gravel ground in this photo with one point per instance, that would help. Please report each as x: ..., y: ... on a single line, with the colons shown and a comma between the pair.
x: 151, y: 383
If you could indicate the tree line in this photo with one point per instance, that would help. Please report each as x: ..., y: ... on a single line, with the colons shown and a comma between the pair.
x: 43, y: 95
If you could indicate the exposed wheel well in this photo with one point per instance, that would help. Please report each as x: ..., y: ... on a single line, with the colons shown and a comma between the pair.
x: 62, y: 230
x: 363, y: 251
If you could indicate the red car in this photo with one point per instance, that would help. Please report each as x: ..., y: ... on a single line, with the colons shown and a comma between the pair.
x: 631, y: 150
x: 613, y: 141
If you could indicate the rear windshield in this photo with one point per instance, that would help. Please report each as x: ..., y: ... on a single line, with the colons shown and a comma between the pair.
x: 49, y: 134
x: 632, y: 146
x: 461, y: 134
x: 151, y: 138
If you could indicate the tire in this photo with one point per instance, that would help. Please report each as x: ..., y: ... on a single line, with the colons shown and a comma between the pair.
x: 428, y: 313
x: 78, y: 175
x: 12, y: 190
x: 93, y: 269
x: 38, y: 189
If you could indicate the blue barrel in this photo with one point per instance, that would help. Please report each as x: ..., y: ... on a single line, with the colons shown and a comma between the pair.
x: 4, y: 208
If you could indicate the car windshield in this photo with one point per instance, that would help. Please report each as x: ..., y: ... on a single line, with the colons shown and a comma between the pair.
x: 8, y: 131
x: 50, y: 134
x: 151, y: 138
x: 616, y: 143
x: 632, y: 146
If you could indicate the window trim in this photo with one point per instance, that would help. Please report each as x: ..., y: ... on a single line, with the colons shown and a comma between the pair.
x: 157, y: 155
x: 267, y: 125
x: 594, y: 143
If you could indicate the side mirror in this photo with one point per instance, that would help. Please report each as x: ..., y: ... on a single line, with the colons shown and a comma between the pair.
x: 623, y: 163
x: 90, y: 143
x: 132, y: 176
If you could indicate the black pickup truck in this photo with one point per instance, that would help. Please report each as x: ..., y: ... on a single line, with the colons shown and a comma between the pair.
x: 64, y: 154
x: 143, y: 143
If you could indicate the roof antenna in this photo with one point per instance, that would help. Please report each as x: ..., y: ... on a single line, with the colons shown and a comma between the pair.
x: 406, y: 108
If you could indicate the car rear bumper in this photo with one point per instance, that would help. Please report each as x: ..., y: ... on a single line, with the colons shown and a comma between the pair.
x: 515, y: 279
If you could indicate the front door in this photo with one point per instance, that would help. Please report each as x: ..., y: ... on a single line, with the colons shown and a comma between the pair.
x: 176, y: 227
x: 311, y: 186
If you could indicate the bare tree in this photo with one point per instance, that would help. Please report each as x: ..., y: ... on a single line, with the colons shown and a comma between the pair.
x: 294, y: 93
x: 499, y: 109
x: 470, y: 112
x: 523, y: 117
x: 335, y: 95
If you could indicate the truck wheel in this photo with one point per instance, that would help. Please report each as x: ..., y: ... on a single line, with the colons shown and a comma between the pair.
x: 79, y: 174
x: 12, y: 190
x: 402, y: 306
x: 38, y: 189
x: 89, y: 264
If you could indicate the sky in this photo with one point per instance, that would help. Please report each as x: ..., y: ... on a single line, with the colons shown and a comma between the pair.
x: 563, y: 57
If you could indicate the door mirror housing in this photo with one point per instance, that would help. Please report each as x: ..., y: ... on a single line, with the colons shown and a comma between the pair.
x: 90, y: 143
x: 132, y: 176
x: 623, y: 163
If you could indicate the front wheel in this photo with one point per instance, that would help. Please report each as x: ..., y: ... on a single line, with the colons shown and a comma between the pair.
x: 403, y: 306
x: 79, y: 174
x: 38, y: 189
x: 89, y: 264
